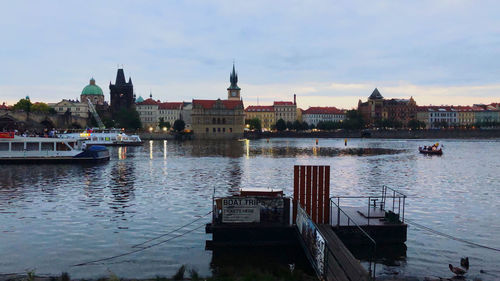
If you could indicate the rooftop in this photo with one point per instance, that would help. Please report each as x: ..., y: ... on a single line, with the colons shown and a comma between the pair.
x: 228, y: 104
x: 260, y: 108
x: 323, y: 110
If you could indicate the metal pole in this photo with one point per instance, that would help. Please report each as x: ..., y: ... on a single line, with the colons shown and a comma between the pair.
x: 393, y: 199
x: 338, y: 211
x: 368, y: 210
x: 399, y: 206
x: 404, y: 197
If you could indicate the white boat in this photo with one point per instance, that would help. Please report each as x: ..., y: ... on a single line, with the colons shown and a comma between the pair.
x: 16, y: 149
x: 108, y: 137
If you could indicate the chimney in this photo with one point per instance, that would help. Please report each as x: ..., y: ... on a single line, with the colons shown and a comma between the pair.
x: 295, y: 99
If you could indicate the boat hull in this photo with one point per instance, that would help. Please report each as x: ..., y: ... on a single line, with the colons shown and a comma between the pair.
x: 432, y: 152
x: 52, y: 160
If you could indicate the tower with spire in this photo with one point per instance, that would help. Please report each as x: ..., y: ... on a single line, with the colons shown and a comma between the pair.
x: 233, y: 92
x: 122, y: 93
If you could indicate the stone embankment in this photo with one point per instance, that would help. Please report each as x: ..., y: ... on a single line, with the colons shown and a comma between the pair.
x: 384, y: 134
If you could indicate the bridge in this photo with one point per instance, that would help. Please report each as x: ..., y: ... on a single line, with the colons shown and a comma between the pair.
x: 21, y: 120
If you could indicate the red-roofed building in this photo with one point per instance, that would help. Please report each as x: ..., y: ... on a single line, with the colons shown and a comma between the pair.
x: 220, y: 119
x: 286, y: 110
x: 313, y: 115
x: 265, y: 113
x: 148, y: 112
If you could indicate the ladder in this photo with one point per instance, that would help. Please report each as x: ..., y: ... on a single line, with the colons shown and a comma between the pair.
x: 96, y: 116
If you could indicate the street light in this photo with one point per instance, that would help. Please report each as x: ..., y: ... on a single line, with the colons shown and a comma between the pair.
x: 150, y: 129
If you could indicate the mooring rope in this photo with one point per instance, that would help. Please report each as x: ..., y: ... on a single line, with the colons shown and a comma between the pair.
x: 149, y: 246
x: 450, y: 236
x: 170, y: 232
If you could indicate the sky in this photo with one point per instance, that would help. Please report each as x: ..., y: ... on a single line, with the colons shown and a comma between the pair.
x: 329, y: 53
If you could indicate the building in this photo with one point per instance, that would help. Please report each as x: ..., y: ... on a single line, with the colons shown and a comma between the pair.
x: 220, y: 119
x: 265, y: 113
x: 286, y: 110
x: 93, y: 93
x: 376, y: 109
x: 442, y: 116
x: 423, y: 115
x: 75, y: 108
x: 465, y: 115
x: 485, y: 113
x: 122, y: 93
x: 187, y: 109
x: 313, y: 115
x: 148, y: 112
x: 170, y: 111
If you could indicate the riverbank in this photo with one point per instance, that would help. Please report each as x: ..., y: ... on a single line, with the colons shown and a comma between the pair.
x: 383, y: 134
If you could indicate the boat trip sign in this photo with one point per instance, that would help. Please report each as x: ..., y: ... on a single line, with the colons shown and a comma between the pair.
x: 240, y: 209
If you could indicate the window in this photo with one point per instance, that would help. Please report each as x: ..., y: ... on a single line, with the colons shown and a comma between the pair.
x: 223, y: 130
x: 230, y: 130
x: 32, y: 146
x: 17, y: 146
x: 47, y: 146
x: 213, y: 129
x: 218, y: 130
x: 213, y: 121
x: 206, y: 130
x: 4, y: 146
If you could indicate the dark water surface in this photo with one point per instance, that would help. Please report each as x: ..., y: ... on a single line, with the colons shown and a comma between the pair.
x: 55, y: 216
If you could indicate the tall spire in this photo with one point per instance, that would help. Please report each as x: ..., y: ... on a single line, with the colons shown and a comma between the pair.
x: 233, y: 78
x: 120, y: 77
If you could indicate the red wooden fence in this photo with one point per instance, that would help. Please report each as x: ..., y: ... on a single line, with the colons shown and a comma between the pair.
x: 311, y: 188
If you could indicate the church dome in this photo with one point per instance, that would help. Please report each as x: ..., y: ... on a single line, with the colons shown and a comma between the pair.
x: 139, y: 99
x: 92, y: 89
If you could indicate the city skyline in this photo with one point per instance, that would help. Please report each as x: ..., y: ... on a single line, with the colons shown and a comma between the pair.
x: 327, y: 54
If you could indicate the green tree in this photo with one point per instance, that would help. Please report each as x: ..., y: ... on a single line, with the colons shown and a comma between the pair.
x: 179, y: 125
x: 304, y: 126
x: 162, y: 124
x: 280, y: 125
x: 128, y: 119
x: 289, y: 125
x: 354, y: 120
x: 108, y: 123
x: 297, y: 125
x: 40, y: 107
x: 23, y: 104
x: 254, y: 124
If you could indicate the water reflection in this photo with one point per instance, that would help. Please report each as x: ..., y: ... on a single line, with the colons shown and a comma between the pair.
x: 71, y: 213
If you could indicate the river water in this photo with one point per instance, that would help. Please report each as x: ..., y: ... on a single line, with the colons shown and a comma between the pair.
x: 56, y: 216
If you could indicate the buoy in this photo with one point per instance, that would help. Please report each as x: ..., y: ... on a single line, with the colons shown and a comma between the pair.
x: 345, y: 142
x: 316, y: 141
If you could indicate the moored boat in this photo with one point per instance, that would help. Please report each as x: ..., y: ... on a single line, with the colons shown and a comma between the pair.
x: 15, y: 149
x: 107, y: 137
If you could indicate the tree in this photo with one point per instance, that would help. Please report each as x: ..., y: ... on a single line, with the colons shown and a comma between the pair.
x: 40, y: 107
x: 254, y: 124
x: 296, y: 125
x: 179, y: 125
x: 280, y: 125
x: 162, y: 124
x: 289, y: 125
x: 354, y: 120
x: 128, y: 119
x: 108, y: 123
x: 23, y: 104
x: 304, y: 126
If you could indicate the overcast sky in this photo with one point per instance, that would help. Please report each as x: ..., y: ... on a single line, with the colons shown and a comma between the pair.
x: 327, y: 52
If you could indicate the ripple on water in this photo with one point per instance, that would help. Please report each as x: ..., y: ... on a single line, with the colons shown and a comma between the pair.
x: 54, y: 216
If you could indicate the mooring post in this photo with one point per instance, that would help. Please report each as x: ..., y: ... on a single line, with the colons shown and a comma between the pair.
x: 338, y: 211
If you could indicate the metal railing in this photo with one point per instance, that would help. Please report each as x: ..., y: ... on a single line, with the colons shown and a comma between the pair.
x: 369, y: 238
x: 398, y: 204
